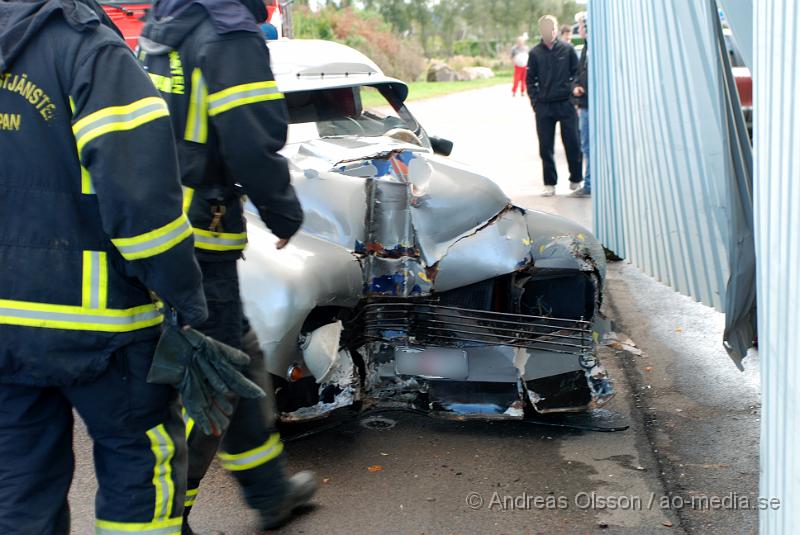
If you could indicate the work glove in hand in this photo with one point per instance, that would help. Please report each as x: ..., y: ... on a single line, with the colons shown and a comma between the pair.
x: 206, y: 374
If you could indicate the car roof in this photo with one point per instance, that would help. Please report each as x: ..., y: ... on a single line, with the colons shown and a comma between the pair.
x: 311, y: 64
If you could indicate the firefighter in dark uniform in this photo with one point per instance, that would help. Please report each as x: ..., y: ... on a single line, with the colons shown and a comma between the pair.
x: 211, y: 63
x: 92, y: 223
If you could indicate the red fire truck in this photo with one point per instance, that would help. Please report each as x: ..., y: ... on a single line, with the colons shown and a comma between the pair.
x: 128, y: 16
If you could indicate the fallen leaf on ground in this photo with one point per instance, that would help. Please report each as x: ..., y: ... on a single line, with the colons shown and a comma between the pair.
x: 326, y: 480
x: 375, y: 468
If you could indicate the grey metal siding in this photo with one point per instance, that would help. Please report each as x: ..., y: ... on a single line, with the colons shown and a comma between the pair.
x: 659, y: 144
x: 777, y: 224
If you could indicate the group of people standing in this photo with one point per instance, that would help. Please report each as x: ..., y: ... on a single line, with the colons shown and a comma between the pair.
x: 556, y: 81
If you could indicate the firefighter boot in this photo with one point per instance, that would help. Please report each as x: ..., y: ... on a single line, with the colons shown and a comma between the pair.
x: 299, y: 490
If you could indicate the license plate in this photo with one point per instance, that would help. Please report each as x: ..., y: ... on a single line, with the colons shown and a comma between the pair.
x: 432, y: 363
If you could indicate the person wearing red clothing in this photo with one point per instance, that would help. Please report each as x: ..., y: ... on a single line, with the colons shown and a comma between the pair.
x: 519, y: 56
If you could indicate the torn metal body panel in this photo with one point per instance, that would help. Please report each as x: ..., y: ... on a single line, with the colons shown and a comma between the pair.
x: 559, y: 243
x: 415, y: 282
x: 281, y: 288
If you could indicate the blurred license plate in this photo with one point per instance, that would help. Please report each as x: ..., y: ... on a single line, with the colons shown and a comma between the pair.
x: 431, y: 363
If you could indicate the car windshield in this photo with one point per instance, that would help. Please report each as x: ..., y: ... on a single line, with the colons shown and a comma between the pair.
x: 348, y: 111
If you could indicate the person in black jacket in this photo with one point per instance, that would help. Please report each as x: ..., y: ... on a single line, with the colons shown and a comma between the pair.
x: 552, y: 68
x: 581, y: 94
x: 210, y: 62
x: 93, y: 224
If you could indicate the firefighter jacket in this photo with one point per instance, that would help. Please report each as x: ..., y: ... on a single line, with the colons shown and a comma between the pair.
x: 89, y: 195
x: 230, y: 121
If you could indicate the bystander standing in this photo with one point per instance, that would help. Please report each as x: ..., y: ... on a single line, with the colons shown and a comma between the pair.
x: 552, y: 68
x: 519, y: 56
x: 566, y: 34
x: 581, y: 94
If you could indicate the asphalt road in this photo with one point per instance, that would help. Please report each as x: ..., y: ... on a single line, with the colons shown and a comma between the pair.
x: 694, y: 418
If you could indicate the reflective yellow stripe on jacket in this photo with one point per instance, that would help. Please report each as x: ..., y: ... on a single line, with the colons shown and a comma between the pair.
x: 219, y: 241
x: 95, y: 279
x: 117, y: 119
x: 91, y: 314
x: 239, y: 95
x: 78, y: 318
x: 197, y: 118
x: 213, y: 241
x: 155, y: 241
x: 86, y: 180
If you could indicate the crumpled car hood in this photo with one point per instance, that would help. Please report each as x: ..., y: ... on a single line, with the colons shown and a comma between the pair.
x: 444, y: 201
x: 385, y: 218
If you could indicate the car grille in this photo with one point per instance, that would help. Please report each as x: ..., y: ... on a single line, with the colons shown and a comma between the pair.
x: 423, y: 323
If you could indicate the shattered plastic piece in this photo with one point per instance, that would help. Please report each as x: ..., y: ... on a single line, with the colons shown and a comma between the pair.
x: 600, y: 385
x: 342, y: 399
x: 515, y: 410
x: 534, y: 397
x: 375, y: 468
x: 321, y: 350
x: 621, y: 342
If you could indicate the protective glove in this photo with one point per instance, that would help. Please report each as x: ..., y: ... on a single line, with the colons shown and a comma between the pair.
x: 204, y: 371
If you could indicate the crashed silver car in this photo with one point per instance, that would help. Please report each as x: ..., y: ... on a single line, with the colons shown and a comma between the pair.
x: 414, y: 282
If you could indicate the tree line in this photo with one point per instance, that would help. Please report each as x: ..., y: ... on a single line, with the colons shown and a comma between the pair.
x: 441, y: 27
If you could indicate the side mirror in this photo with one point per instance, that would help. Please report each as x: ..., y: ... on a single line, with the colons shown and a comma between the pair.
x: 441, y: 146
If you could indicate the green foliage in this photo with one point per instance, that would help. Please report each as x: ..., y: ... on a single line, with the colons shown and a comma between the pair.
x: 475, y: 48
x: 308, y: 26
x: 446, y: 27
x: 367, y: 32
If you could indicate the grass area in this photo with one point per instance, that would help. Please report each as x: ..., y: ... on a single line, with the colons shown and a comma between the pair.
x: 423, y: 90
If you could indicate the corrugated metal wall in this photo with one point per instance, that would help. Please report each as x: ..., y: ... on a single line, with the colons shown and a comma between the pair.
x: 777, y: 223
x: 658, y: 143
x: 672, y: 189
x: 671, y: 161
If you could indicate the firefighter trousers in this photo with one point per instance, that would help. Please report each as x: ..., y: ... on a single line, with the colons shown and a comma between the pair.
x: 251, y: 449
x: 139, y: 451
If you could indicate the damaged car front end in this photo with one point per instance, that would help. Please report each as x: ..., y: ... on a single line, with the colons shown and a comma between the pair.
x: 414, y: 282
